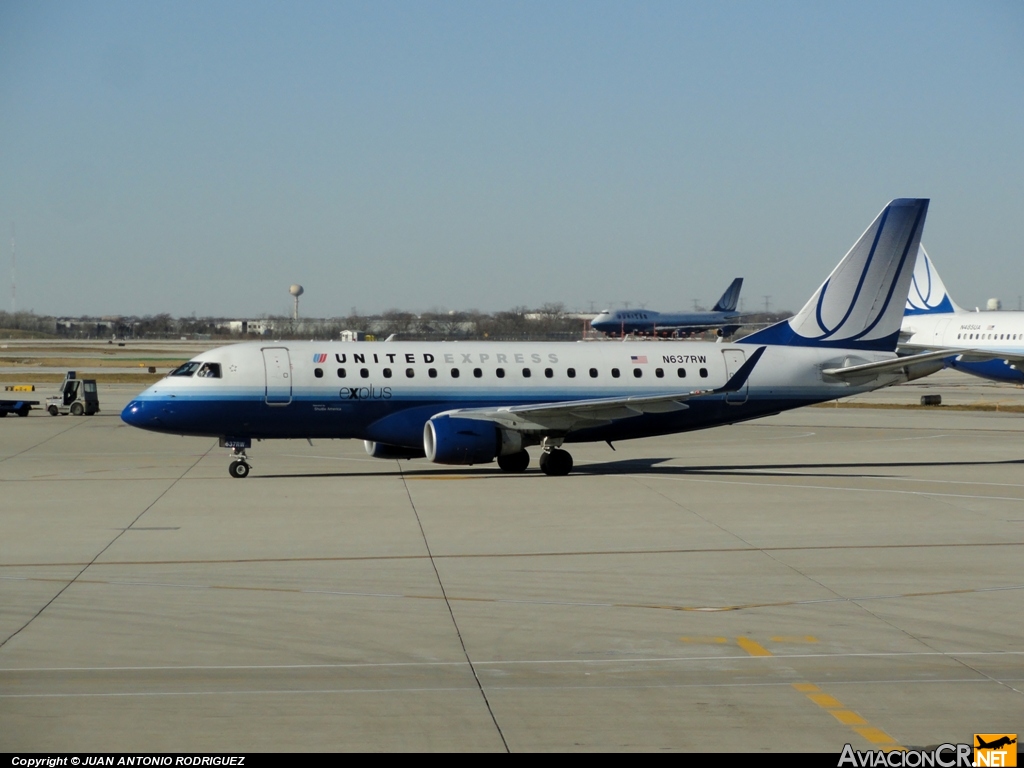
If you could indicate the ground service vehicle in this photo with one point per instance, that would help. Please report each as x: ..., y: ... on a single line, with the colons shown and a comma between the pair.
x: 78, y: 397
x: 20, y: 407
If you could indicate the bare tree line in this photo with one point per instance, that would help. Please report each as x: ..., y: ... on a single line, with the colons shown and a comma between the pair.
x: 550, y: 321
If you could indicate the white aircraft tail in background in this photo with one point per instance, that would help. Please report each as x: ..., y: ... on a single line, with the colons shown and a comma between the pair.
x: 985, y: 344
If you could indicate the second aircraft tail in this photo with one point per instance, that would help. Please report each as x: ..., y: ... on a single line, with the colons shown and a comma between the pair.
x: 730, y: 298
x: 928, y: 295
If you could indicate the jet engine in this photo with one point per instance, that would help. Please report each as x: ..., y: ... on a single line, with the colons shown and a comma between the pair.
x: 451, y: 440
x: 385, y: 451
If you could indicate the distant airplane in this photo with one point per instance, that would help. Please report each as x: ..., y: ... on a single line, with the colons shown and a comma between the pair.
x: 474, y: 402
x: 991, y: 344
x: 646, y: 321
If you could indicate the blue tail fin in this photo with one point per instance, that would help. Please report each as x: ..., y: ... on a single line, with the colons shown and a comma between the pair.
x: 730, y: 298
x: 928, y: 296
x: 860, y: 305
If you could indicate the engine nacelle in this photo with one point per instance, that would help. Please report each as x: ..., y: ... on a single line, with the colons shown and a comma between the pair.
x: 451, y: 440
x: 385, y: 451
x: 920, y: 370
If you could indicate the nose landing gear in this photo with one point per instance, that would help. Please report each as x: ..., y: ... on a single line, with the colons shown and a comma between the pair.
x: 239, y: 467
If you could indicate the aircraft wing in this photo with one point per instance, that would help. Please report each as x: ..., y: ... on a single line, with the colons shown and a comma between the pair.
x: 573, y: 414
x: 872, y: 370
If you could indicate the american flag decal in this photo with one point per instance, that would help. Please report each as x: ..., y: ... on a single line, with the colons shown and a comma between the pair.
x: 638, y: 359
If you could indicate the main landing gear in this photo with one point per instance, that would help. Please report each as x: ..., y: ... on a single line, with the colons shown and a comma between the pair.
x: 554, y: 461
x: 514, y: 462
x: 239, y: 467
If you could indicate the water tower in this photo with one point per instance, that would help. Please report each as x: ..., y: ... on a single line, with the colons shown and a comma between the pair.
x: 296, y: 291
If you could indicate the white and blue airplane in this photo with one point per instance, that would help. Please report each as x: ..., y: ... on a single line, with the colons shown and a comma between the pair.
x: 989, y: 344
x: 723, y: 315
x: 471, y: 403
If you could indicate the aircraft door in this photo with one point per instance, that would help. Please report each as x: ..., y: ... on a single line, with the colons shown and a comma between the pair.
x: 278, y: 366
x: 734, y: 359
x: 940, y: 332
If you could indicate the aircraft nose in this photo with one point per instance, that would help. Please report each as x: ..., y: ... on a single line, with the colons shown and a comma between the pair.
x: 140, y: 414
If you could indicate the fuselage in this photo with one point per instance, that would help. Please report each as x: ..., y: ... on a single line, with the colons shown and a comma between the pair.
x: 997, y: 331
x: 646, y: 321
x: 386, y: 392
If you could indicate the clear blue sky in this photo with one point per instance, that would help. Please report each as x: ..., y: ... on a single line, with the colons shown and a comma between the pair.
x: 202, y: 156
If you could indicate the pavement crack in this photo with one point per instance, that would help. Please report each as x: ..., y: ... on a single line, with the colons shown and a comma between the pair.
x: 447, y: 602
x: 108, y: 545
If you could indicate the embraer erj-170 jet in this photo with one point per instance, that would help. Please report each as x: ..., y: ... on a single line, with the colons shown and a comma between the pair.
x: 990, y: 344
x: 471, y: 403
x: 646, y: 321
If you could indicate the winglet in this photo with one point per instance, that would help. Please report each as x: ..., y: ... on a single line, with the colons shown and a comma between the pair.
x: 739, y: 379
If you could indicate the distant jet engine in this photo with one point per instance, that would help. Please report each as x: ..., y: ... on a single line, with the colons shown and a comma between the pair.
x: 385, y: 451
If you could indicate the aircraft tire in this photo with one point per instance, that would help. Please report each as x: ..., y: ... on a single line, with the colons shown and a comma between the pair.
x: 556, y: 462
x: 514, y: 462
x: 52, y: 410
x: 238, y: 469
x: 77, y: 409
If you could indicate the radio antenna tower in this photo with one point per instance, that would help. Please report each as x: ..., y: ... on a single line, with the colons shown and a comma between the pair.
x: 14, y: 263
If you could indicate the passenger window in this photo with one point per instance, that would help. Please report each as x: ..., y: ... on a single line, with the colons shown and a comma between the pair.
x: 318, y: 372
x: 593, y: 373
x: 432, y: 373
x: 681, y: 373
x: 409, y: 373
x: 526, y: 373
x: 455, y: 373
x: 477, y: 373
x: 615, y: 373
x: 637, y: 373
x: 387, y: 373
x: 659, y: 372
x: 500, y: 373
x: 365, y: 373
x: 703, y: 373
x: 571, y: 373
x: 341, y: 373
x: 549, y: 373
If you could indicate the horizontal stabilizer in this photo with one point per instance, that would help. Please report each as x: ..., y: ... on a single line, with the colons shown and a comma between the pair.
x: 871, y: 370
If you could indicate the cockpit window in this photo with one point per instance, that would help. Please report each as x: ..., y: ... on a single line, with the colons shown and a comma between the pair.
x: 209, y: 371
x: 186, y: 370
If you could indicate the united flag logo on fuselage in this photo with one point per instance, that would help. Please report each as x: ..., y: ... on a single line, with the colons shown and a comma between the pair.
x: 319, y: 358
